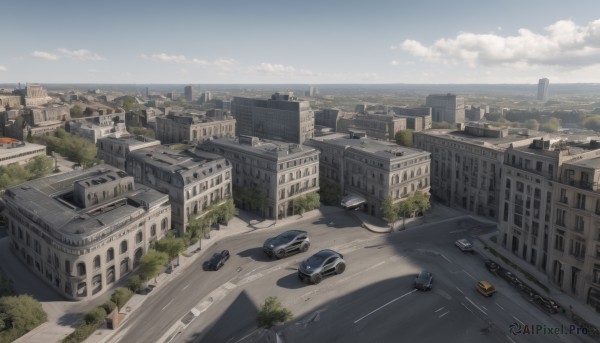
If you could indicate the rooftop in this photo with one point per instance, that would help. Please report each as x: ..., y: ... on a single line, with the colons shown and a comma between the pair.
x: 376, y: 147
x: 489, y: 142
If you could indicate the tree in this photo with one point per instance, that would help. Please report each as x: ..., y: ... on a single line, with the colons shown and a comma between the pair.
x: 21, y: 313
x: 405, y: 207
x: 40, y: 166
x: 121, y: 296
x: 313, y: 200
x: 404, y: 137
x: 421, y: 202
x: 95, y: 316
x: 141, y: 131
x: 152, y: 263
x: 172, y: 246
x: 128, y: 103
x: 592, y: 122
x: 76, y: 111
x: 330, y: 192
x: 272, y: 312
x: 390, y: 211
x: 13, y: 174
x: 300, y: 205
x: 532, y: 124
x: 552, y: 125
x: 227, y: 211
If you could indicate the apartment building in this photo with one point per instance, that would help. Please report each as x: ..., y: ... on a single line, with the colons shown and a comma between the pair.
x: 282, y: 171
x: 83, y: 231
x: 114, y: 150
x: 177, y: 128
x: 377, y: 126
x: 448, y: 108
x: 15, y: 151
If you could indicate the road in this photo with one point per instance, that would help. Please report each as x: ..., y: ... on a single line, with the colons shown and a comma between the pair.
x: 373, y: 301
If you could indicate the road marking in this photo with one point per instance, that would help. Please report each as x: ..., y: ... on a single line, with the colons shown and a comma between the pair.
x: 169, y: 303
x: 510, y: 339
x: 471, y: 276
x: 466, y: 307
x: 186, y: 286
x: 248, y: 335
x: 517, y: 319
x: 461, y: 292
x: 384, y: 305
x: 445, y: 258
x: 439, y: 309
x: 479, y: 308
x: 483, y: 307
x: 443, y: 314
x: 500, y: 307
x: 374, y: 266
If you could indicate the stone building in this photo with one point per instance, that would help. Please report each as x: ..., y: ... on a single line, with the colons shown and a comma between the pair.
x: 15, y: 151
x: 34, y: 95
x: 372, y: 170
x: 37, y: 121
x: 466, y: 166
x: 417, y: 118
x: 6, y: 100
x: 448, y: 108
x: 377, y: 126
x: 177, y: 128
x: 114, y: 150
x: 284, y: 171
x: 328, y: 117
x: 282, y: 118
x: 83, y: 231
x: 93, y: 130
x: 193, y: 179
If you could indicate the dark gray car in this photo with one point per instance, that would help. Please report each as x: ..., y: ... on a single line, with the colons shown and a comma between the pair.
x: 424, y: 281
x: 325, y: 262
x: 286, y: 243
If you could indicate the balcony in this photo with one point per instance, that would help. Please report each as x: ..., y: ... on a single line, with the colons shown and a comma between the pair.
x: 592, y: 186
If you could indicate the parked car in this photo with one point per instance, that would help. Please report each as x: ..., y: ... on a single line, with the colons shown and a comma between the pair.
x: 218, y: 259
x: 146, y: 290
x: 492, y: 266
x: 485, y: 288
x: 424, y: 281
x: 325, y: 262
x: 464, y: 245
x: 286, y: 243
x: 547, y: 304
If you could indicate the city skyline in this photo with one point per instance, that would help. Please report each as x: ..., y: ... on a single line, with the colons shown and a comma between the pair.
x: 235, y: 42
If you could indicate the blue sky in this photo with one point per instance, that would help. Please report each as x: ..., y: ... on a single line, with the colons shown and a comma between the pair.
x: 307, y: 42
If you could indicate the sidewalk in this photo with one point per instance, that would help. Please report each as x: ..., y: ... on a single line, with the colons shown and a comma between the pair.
x: 566, y: 301
x: 243, y: 223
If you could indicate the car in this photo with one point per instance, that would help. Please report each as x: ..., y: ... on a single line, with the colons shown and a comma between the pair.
x: 287, y: 243
x: 492, y: 266
x: 547, y: 304
x: 485, y: 288
x: 464, y: 245
x: 323, y: 263
x: 218, y: 259
x: 424, y: 281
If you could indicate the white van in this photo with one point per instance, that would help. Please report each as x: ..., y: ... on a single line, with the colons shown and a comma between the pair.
x: 464, y: 244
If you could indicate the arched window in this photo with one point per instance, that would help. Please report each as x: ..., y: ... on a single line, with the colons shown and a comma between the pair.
x: 412, y: 174
x: 123, y: 247
x: 110, y: 254
x: 163, y: 224
x: 153, y: 230
x: 418, y: 171
x: 97, y: 262
x: 138, y: 237
x: 80, y: 268
x: 404, y: 176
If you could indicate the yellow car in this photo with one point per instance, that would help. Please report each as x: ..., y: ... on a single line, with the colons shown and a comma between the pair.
x: 485, y: 288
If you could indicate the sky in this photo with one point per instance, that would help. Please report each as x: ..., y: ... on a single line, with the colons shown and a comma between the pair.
x: 301, y: 41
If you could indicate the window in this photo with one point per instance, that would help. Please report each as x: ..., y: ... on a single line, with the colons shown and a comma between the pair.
x: 559, y: 242
x: 80, y: 268
x: 581, y: 201
x: 153, y: 230
x: 579, y: 223
x: 164, y: 224
x: 577, y: 249
x: 138, y: 237
x: 110, y: 254
x: 97, y: 262
x: 123, y: 247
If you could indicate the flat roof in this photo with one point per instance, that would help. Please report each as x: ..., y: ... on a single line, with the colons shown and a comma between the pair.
x: 270, y: 149
x: 372, y: 146
x: 489, y: 142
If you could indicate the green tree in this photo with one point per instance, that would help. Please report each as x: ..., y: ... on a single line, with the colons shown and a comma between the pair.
x: 272, y: 313
x: 390, y: 211
x: 300, y: 205
x: 227, y: 211
x: 13, y: 174
x: 404, y: 137
x: 95, y: 316
x: 21, y: 314
x: 552, y: 125
x: 421, y: 202
x: 141, y: 131
x: 592, y: 122
x: 128, y: 103
x: 121, y: 296
x: 406, y: 207
x: 76, y: 111
x: 40, y: 166
x: 172, y: 246
x: 152, y: 263
x: 532, y: 124
x: 71, y: 146
x: 330, y: 192
x: 313, y: 200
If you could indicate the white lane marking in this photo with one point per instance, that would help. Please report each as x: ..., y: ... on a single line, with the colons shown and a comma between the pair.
x: 439, y: 309
x: 465, y: 306
x: 169, y: 303
x: 375, y: 265
x: 500, y: 306
x: 517, y: 319
x: 384, y: 305
x: 461, y: 292
x: 510, y: 339
x: 471, y: 276
x: 445, y: 258
x: 443, y: 314
x: 186, y: 286
x: 477, y: 307
x: 483, y: 307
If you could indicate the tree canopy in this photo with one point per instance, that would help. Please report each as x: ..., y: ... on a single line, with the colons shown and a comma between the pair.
x: 172, y: 246
x: 14, y: 174
x: 73, y: 147
x: 152, y: 263
x: 272, y: 313
x: 404, y: 137
x: 18, y: 315
x: 76, y: 111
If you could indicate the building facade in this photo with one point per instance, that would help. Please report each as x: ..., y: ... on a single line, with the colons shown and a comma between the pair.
x: 371, y: 169
x: 282, y: 118
x: 188, y: 93
x: 378, y: 126
x: 542, y: 94
x: 417, y: 118
x: 194, y: 179
x: 15, y: 151
x: 193, y: 128
x: 114, y: 150
x: 282, y: 171
x: 448, y: 108
x: 83, y: 231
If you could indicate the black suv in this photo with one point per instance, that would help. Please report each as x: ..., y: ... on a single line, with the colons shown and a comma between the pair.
x: 424, y: 281
x: 287, y: 243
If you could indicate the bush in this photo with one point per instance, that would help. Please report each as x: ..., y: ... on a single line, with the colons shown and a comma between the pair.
x: 272, y: 312
x: 95, y: 316
x: 135, y: 283
x: 121, y: 296
x: 80, y: 334
x: 109, y: 306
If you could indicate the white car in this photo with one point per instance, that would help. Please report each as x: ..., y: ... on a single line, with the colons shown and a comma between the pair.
x: 464, y: 244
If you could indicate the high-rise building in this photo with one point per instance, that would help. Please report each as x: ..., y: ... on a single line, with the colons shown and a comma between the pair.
x: 282, y: 117
x: 448, y: 108
x: 205, y: 97
x: 542, y: 94
x: 189, y: 95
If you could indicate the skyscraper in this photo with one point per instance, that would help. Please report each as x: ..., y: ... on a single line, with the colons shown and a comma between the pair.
x: 543, y: 89
x: 189, y: 96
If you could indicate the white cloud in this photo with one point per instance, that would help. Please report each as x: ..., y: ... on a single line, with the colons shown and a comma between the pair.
x: 162, y: 57
x: 3, y: 68
x: 564, y: 44
x: 81, y: 54
x: 280, y: 69
x: 45, y: 55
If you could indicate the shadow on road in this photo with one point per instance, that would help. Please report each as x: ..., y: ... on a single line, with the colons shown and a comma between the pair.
x: 257, y: 254
x: 291, y: 282
x: 70, y: 319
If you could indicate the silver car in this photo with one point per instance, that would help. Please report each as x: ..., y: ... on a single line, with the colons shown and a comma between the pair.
x: 325, y: 262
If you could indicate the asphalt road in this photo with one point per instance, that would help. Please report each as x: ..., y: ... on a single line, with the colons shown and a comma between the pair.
x: 373, y: 301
